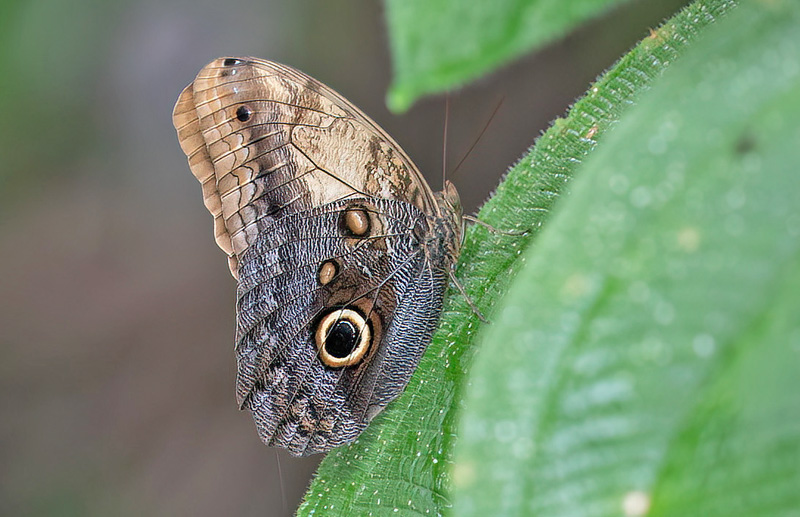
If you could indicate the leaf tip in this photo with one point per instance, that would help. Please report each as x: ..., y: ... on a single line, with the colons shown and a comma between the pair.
x: 399, y: 99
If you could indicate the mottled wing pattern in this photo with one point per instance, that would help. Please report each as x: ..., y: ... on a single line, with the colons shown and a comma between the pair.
x: 266, y: 140
x: 298, y: 402
x: 335, y: 239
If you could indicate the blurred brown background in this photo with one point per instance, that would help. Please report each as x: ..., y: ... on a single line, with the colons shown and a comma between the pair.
x: 116, y: 307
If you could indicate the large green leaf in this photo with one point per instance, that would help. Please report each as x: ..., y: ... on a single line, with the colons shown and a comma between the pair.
x: 648, y: 355
x: 403, y: 459
x: 439, y: 44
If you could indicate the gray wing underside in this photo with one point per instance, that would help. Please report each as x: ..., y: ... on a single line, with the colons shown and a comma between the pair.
x: 297, y: 402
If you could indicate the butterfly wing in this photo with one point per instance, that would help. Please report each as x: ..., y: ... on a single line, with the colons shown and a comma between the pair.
x: 340, y: 248
x: 266, y: 140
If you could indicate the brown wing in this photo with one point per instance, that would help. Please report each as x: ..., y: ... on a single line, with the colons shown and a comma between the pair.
x: 266, y: 140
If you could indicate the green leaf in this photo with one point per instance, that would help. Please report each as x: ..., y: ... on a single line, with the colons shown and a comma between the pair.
x: 403, y: 459
x: 648, y: 355
x: 441, y: 44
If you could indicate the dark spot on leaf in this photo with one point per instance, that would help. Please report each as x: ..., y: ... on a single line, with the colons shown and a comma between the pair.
x: 745, y: 144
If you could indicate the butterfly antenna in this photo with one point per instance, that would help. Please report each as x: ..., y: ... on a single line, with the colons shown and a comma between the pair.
x: 478, y: 139
x: 444, y: 137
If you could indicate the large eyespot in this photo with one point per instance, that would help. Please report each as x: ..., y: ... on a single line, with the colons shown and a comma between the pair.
x: 343, y: 338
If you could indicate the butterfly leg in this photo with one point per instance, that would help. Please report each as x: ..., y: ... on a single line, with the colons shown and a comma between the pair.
x: 492, y: 228
x: 471, y: 304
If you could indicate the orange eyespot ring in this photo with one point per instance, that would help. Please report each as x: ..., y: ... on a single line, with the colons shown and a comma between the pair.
x: 327, y: 272
x: 355, y: 222
x: 343, y: 338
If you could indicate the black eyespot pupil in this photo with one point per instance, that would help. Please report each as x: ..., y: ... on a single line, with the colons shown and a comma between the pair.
x: 243, y: 113
x: 342, y: 339
x: 230, y: 62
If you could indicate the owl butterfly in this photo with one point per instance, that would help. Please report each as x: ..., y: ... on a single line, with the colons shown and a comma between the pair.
x: 340, y: 248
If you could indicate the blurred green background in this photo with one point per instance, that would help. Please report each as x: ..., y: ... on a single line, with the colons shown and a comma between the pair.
x: 116, y: 323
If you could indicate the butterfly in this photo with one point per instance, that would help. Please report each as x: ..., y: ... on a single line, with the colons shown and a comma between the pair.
x: 340, y: 248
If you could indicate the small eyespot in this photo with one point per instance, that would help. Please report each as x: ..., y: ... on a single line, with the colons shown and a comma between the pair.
x: 327, y: 272
x: 231, y: 62
x: 355, y: 221
x: 343, y: 338
x: 243, y: 113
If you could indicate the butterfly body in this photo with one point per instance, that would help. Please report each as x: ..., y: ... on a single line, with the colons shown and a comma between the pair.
x: 340, y: 248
